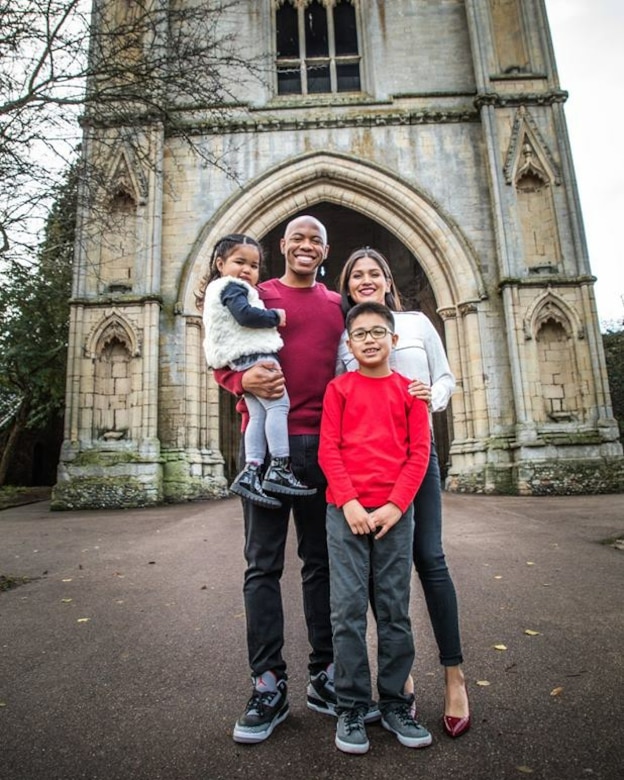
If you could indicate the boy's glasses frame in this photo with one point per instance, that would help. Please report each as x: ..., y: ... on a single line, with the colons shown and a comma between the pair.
x: 378, y: 332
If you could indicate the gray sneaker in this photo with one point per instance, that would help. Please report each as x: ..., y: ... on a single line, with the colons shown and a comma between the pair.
x: 398, y: 719
x: 351, y: 732
x: 321, y: 696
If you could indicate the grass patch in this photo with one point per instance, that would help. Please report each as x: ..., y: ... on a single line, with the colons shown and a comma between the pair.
x: 616, y: 542
x: 12, y: 495
x: 8, y: 582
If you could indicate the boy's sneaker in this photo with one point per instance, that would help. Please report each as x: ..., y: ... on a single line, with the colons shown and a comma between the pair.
x: 279, y: 478
x: 351, y: 732
x: 267, y: 708
x: 248, y: 484
x: 398, y: 719
x: 321, y: 696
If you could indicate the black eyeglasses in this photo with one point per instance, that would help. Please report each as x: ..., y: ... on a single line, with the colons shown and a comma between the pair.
x: 378, y: 333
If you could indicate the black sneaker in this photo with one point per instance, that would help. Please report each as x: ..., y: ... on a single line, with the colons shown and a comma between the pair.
x: 280, y: 479
x: 248, y: 484
x: 321, y: 696
x: 267, y: 708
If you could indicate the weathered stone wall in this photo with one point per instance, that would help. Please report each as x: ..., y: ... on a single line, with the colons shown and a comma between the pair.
x: 456, y: 148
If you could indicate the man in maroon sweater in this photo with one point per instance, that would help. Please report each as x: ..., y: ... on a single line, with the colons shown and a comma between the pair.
x: 308, y: 359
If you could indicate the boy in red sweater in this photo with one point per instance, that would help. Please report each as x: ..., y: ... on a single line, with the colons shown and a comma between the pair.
x: 374, y: 450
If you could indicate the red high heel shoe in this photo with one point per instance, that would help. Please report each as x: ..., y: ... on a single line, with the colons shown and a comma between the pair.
x: 455, y: 727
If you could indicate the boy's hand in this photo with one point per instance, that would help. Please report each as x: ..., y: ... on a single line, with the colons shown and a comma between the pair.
x: 265, y: 380
x: 384, y: 518
x: 358, y: 519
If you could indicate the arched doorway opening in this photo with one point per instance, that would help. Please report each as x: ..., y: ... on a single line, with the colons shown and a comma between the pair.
x: 347, y: 230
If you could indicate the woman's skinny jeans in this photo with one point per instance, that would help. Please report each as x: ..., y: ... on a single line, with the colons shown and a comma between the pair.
x: 431, y: 565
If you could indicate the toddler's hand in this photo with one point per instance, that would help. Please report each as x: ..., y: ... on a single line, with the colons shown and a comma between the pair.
x: 282, y: 317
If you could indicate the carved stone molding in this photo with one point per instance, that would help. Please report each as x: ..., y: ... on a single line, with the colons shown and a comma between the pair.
x: 314, y: 121
x: 449, y: 313
x: 528, y: 153
x: 468, y: 307
x: 521, y: 99
x: 276, y: 4
x: 125, y: 175
x: 113, y: 326
x: 550, y: 306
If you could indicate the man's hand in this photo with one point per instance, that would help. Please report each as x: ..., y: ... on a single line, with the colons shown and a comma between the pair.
x: 384, y: 518
x: 358, y: 519
x: 265, y: 380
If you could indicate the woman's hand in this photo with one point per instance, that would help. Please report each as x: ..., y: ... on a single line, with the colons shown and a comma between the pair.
x: 265, y: 380
x: 420, y: 390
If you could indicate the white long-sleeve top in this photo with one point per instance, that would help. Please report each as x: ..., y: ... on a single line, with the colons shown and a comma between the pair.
x: 419, y: 354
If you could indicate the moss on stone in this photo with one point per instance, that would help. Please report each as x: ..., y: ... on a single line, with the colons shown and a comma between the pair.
x: 105, y: 459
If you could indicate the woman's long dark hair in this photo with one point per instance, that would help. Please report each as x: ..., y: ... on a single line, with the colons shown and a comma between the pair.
x: 391, y: 299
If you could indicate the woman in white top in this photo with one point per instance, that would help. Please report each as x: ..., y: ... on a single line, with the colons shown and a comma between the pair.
x: 420, y: 356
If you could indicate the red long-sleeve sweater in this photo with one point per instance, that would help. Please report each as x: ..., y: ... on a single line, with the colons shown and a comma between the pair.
x: 375, y: 440
x: 314, y: 324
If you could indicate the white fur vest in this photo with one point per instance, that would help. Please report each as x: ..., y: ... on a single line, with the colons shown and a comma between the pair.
x: 225, y: 340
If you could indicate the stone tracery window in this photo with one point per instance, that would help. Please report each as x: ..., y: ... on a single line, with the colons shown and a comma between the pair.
x: 317, y: 48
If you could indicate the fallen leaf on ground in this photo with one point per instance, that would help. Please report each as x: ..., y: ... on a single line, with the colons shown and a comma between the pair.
x: 530, y: 563
x: 484, y: 683
x: 530, y: 632
x: 83, y: 620
x: 67, y: 579
x: 526, y: 770
x: 499, y: 647
x: 556, y: 691
x: 66, y: 601
x: 498, y: 576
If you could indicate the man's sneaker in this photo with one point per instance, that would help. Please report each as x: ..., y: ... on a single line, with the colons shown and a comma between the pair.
x: 248, y: 484
x: 398, y: 719
x: 351, y: 732
x: 279, y: 478
x: 322, y: 696
x: 267, y: 707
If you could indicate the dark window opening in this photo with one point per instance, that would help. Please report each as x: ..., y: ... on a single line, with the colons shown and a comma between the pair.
x: 316, y: 36
x: 287, y: 32
x: 317, y: 48
x: 346, y: 30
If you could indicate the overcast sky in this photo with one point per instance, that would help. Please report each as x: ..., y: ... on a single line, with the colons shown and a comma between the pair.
x: 588, y: 38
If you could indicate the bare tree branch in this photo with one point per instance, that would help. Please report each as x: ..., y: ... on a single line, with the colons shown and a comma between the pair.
x: 109, y: 70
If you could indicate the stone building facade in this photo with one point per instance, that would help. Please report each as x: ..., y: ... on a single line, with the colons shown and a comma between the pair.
x: 433, y: 130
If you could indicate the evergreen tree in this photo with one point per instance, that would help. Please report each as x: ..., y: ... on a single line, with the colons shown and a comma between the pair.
x: 34, y: 323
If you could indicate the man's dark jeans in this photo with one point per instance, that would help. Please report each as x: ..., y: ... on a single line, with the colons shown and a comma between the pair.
x: 265, y: 542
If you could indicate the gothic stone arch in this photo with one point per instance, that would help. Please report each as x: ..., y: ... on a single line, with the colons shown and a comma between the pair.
x: 411, y: 216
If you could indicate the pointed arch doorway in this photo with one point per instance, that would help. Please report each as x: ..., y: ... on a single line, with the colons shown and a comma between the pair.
x: 348, y: 230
